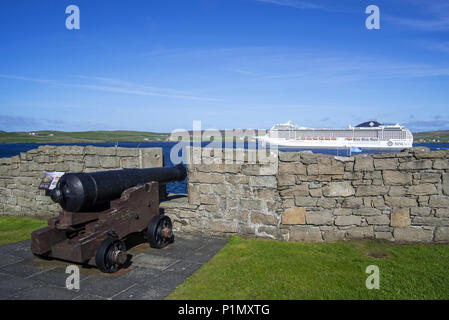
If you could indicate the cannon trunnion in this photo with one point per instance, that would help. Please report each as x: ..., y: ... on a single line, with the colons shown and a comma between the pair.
x: 100, y: 210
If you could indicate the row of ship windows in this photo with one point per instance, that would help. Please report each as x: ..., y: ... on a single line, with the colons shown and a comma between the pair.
x: 323, y: 135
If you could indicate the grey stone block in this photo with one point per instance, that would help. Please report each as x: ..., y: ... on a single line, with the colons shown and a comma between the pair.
x: 148, y: 260
x: 416, y: 165
x: 45, y: 293
x: 319, y: 218
x: 363, y: 163
x: 334, y: 235
x: 305, y: 233
x: 290, y: 156
x: 25, y: 270
x: 262, y: 181
x: 348, y: 220
x: 442, y: 234
x: 88, y: 296
x: 11, y: 285
x: 412, y: 234
x: 378, y: 220
x: 360, y: 233
x: 8, y: 259
x: 142, y: 292
x: 151, y: 157
x: 338, y: 189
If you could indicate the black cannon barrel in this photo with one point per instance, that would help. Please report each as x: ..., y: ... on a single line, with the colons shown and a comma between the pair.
x: 80, y: 191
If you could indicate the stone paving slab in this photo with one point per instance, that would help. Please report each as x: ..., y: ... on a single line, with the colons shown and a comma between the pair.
x: 152, y: 275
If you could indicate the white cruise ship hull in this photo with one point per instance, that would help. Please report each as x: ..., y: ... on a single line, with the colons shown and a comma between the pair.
x: 334, y: 144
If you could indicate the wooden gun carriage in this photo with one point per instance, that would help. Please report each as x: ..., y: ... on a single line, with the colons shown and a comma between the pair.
x: 100, y: 210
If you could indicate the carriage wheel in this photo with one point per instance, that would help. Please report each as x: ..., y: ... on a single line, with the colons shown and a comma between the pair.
x: 111, y: 255
x: 160, y: 232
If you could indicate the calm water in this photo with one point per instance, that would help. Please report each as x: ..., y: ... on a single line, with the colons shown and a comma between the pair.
x: 12, y: 149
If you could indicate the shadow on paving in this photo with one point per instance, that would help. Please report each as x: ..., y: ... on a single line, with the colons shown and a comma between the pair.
x: 153, y: 273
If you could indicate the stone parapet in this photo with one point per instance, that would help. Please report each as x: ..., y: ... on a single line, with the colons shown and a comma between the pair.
x: 293, y: 196
x: 303, y: 196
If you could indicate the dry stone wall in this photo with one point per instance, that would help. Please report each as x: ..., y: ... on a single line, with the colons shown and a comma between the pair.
x: 240, y: 197
x: 21, y: 175
x: 302, y: 196
x: 393, y: 196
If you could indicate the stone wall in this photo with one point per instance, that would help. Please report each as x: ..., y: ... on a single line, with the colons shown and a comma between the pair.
x: 21, y: 175
x: 235, y: 198
x: 301, y: 196
x: 293, y: 196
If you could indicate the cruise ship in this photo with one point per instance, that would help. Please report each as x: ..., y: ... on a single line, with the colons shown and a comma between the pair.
x: 367, y: 135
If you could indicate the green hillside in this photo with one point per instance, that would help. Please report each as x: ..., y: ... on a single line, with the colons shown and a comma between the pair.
x: 86, y: 136
x: 140, y: 136
x: 432, y: 136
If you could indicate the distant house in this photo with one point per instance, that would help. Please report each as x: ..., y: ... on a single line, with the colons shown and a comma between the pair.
x: 33, y: 133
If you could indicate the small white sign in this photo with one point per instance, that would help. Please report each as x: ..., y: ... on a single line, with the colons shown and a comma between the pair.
x: 50, y: 180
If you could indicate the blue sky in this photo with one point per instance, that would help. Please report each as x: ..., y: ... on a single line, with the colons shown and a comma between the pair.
x: 157, y: 65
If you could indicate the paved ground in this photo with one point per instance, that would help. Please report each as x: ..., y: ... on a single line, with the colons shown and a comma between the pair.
x: 153, y: 273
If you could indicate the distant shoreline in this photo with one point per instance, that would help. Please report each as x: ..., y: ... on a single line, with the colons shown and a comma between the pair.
x: 149, y: 141
x: 119, y: 136
x: 82, y: 137
x: 94, y: 142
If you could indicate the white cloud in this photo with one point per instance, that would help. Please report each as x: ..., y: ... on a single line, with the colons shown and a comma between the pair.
x: 340, y: 67
x: 294, y: 4
x: 116, y: 86
x: 432, y: 15
x: 435, y: 24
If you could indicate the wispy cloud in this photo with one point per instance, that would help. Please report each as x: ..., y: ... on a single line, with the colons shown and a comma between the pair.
x: 115, y: 86
x: 427, y: 125
x: 26, y: 123
x: 245, y: 72
x: 321, y: 5
x: 121, y: 83
x: 341, y: 67
x: 435, y: 24
x: 259, y: 64
x: 294, y: 4
x: 433, y: 16
x: 15, y: 77
x: 11, y: 122
x: 437, y: 45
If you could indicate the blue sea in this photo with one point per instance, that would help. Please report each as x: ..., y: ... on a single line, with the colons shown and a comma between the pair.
x: 13, y: 149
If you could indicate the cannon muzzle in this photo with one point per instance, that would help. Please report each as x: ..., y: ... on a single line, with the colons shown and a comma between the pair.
x: 83, y: 191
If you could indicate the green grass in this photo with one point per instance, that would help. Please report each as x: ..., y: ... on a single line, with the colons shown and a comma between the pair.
x: 267, y: 269
x: 86, y: 136
x: 14, y: 229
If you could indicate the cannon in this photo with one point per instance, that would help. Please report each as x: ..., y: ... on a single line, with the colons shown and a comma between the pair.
x: 100, y: 210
